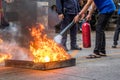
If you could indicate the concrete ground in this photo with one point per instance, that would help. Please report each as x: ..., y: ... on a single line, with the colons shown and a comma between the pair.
x: 105, y: 68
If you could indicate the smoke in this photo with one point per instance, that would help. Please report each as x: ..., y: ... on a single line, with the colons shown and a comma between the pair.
x: 11, y: 33
x: 53, y: 19
x: 16, y: 37
x: 17, y: 52
x: 10, y: 43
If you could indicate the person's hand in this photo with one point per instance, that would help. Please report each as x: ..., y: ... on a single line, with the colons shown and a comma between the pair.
x: 78, y: 17
x: 88, y: 17
x: 82, y: 17
x: 61, y: 16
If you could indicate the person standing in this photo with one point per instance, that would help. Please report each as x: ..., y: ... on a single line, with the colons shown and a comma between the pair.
x: 67, y: 10
x: 54, y: 8
x: 3, y: 21
x: 117, y: 30
x: 106, y: 9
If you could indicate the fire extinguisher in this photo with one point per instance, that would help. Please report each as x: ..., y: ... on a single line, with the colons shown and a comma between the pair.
x: 86, y: 35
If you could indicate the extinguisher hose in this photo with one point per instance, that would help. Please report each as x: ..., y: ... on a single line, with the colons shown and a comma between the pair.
x: 67, y: 28
x: 70, y: 25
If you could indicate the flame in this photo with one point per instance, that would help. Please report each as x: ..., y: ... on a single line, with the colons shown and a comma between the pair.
x: 3, y: 57
x: 45, y: 49
x: 1, y: 41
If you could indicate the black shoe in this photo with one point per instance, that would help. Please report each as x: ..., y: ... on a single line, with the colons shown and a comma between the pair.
x: 76, y: 48
x: 114, y: 46
x: 4, y: 22
x: 102, y: 54
x: 66, y: 49
x: 3, y: 27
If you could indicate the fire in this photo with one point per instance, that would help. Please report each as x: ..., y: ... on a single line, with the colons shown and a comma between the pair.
x: 45, y: 49
x: 3, y: 57
x: 1, y: 41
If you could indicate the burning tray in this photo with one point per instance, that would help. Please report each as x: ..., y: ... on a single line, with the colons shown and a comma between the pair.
x: 40, y: 66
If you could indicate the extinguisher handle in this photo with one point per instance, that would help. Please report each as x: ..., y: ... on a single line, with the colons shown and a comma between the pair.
x: 81, y: 22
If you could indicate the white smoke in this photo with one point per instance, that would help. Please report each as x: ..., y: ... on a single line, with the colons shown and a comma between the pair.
x: 17, y: 52
x: 53, y: 18
x: 10, y: 45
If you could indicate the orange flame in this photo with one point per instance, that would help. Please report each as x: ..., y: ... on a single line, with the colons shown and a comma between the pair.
x: 1, y: 41
x: 45, y: 49
x: 3, y: 57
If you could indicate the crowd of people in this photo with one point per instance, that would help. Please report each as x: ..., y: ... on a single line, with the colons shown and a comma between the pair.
x: 75, y: 10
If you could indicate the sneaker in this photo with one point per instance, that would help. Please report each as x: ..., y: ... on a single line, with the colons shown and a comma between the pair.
x: 76, y: 48
x: 114, y: 46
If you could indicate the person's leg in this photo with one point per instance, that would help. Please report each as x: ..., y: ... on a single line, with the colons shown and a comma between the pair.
x: 100, y: 35
x: 4, y: 21
x: 116, y: 34
x: 99, y: 32
x: 64, y: 23
x: 73, y: 32
x: 103, y: 40
x: 73, y: 35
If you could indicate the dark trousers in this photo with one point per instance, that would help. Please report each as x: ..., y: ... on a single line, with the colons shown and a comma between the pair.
x: 100, y: 42
x: 117, y: 31
x: 73, y: 30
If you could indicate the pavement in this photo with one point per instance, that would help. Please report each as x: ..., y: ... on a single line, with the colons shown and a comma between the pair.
x: 105, y: 68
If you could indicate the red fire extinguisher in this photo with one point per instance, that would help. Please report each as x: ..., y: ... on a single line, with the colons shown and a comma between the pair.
x: 86, y: 35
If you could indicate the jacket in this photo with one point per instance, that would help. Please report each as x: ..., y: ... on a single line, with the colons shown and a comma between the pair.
x: 67, y: 6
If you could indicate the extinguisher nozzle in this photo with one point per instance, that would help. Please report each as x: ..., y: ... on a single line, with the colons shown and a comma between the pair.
x: 58, y: 39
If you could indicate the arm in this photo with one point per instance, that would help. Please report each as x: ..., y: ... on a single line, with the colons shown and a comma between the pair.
x: 91, y: 10
x: 59, y: 5
x: 84, y: 10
